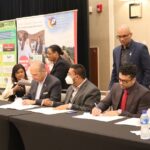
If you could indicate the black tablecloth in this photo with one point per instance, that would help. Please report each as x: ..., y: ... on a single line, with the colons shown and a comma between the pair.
x: 62, y: 132
x: 9, y: 137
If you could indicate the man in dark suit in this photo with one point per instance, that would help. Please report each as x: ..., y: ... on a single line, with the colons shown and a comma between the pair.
x: 43, y: 86
x: 127, y: 98
x: 81, y: 95
x: 131, y: 52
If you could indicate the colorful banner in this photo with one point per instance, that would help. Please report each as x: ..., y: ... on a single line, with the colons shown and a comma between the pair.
x: 37, y: 33
x: 8, y: 56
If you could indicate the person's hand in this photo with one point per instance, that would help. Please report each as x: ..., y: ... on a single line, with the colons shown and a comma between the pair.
x: 111, y: 113
x: 17, y: 88
x: 62, y: 107
x: 28, y: 102
x: 47, y: 102
x: 96, y: 111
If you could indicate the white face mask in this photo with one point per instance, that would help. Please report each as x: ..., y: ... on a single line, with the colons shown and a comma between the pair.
x: 69, y: 80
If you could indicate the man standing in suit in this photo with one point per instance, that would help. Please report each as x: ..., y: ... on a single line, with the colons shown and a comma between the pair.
x: 127, y: 98
x: 81, y: 95
x: 43, y: 86
x: 131, y: 52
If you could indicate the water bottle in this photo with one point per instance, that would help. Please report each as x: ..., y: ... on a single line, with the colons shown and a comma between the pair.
x: 144, y: 120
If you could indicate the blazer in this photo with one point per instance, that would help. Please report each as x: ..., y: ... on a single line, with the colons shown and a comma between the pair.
x: 60, y: 70
x: 139, y: 56
x: 138, y: 100
x: 84, y: 100
x: 51, y: 89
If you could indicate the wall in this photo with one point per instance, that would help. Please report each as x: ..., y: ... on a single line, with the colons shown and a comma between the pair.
x: 140, y: 26
x: 99, y: 36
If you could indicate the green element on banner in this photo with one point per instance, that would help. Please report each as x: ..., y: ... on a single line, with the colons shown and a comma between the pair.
x: 8, y: 54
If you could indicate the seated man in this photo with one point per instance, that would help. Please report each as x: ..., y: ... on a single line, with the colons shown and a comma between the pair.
x: 127, y: 98
x: 43, y: 86
x: 81, y: 95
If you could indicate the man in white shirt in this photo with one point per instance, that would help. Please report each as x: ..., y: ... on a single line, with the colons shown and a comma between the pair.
x: 43, y: 87
x: 81, y: 95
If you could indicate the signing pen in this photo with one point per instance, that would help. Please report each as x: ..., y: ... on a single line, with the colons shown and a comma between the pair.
x: 95, y: 105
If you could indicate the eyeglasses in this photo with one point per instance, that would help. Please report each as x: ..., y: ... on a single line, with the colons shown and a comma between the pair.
x: 125, y: 81
x: 122, y: 36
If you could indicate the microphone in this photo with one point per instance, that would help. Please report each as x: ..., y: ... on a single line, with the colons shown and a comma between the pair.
x: 24, y: 82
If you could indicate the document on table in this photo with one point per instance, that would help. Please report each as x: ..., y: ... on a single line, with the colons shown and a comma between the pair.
x: 130, y: 121
x: 17, y: 104
x: 137, y: 132
x: 49, y: 111
x: 98, y: 118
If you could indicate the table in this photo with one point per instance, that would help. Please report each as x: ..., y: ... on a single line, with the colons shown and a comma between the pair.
x: 9, y: 137
x: 62, y: 132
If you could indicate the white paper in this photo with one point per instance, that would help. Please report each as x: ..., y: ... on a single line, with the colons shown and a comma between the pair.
x: 138, y: 132
x: 17, y: 104
x: 98, y: 118
x: 130, y: 121
x: 49, y: 111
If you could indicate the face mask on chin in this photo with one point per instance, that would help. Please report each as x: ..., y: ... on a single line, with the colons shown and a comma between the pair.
x: 69, y: 80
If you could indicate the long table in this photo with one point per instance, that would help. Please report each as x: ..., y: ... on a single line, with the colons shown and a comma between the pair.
x: 62, y: 132
x: 9, y: 136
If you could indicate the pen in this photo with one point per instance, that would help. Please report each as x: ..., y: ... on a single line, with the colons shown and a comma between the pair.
x: 95, y: 105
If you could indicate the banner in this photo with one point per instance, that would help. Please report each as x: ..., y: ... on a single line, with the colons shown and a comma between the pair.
x: 35, y: 34
x: 8, y: 56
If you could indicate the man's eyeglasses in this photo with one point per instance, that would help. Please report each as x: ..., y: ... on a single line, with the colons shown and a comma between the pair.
x: 122, y: 36
x: 125, y: 81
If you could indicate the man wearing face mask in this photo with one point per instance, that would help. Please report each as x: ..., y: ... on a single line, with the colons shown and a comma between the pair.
x: 81, y: 94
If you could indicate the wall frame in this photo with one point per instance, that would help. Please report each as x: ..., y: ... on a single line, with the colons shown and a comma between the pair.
x: 135, y: 10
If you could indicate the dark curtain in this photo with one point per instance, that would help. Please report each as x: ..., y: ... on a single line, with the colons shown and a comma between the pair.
x: 11, y: 9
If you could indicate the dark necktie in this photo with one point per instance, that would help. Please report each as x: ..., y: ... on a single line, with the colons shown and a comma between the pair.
x: 124, y: 100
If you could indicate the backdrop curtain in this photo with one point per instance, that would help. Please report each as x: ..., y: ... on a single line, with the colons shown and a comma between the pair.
x: 11, y: 9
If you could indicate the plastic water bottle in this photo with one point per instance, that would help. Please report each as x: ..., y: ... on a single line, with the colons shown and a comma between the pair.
x: 144, y: 120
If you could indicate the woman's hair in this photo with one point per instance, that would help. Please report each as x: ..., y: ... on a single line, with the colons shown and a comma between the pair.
x: 56, y: 48
x: 15, y: 69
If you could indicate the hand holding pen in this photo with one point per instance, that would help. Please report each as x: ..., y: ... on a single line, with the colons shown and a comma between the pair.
x: 96, y: 111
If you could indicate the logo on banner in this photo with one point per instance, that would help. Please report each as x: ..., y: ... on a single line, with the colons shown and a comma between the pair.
x: 24, y: 60
x: 51, y: 22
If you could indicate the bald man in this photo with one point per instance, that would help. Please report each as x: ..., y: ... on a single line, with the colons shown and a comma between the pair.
x: 130, y: 52
x: 43, y: 87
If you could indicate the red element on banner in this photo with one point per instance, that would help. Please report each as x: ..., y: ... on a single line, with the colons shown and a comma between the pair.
x: 24, y: 60
x: 99, y: 7
x: 8, y: 47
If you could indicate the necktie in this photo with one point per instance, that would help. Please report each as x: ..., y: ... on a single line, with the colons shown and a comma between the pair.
x: 124, y: 99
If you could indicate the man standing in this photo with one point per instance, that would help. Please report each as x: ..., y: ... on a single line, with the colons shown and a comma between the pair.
x: 130, y: 52
x: 43, y: 86
x: 127, y: 98
x: 81, y: 95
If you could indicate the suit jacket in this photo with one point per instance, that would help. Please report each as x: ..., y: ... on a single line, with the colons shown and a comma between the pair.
x: 84, y: 100
x: 51, y: 89
x: 60, y: 70
x: 138, y: 100
x: 139, y: 56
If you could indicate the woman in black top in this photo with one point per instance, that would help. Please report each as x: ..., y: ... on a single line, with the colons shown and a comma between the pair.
x: 61, y: 66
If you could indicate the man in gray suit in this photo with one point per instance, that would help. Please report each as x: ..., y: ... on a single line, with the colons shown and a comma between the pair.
x: 43, y: 86
x: 137, y: 96
x: 81, y: 95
